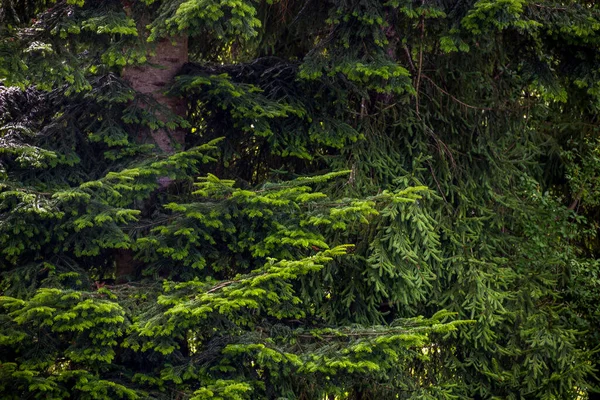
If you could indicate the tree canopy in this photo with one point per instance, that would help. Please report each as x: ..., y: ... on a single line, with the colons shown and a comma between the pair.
x: 299, y: 199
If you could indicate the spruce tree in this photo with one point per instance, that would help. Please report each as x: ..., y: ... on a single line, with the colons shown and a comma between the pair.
x: 299, y: 199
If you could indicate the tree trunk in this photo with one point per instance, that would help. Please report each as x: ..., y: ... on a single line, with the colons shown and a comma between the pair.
x: 125, y: 266
x: 153, y: 79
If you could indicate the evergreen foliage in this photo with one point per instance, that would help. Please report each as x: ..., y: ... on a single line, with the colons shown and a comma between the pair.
x: 374, y: 200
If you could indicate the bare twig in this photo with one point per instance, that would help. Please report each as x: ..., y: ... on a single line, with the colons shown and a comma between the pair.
x: 462, y: 103
x: 220, y: 286
x: 418, y: 81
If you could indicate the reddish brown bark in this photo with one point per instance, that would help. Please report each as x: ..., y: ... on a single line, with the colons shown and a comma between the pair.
x: 153, y: 79
x: 126, y: 266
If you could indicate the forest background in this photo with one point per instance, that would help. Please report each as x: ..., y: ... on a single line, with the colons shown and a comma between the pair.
x: 299, y: 199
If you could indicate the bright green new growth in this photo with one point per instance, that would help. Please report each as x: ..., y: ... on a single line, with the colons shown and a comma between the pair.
x: 374, y: 200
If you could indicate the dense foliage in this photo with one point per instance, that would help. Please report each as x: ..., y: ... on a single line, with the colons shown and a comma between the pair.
x: 342, y: 199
